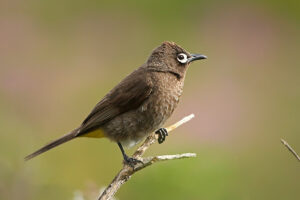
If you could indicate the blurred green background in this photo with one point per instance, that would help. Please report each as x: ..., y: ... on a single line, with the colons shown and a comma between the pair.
x: 58, y: 58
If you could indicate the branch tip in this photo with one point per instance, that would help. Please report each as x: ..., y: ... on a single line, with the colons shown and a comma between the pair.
x: 290, y: 149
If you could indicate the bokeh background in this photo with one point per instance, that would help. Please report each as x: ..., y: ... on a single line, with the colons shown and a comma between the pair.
x: 58, y: 58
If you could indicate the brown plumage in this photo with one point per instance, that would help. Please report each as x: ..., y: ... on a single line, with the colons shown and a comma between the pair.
x: 140, y: 103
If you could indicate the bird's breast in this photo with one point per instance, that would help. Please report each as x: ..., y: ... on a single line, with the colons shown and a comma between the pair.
x: 163, y: 100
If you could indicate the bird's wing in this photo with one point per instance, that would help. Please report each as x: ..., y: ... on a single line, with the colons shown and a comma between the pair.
x: 128, y: 95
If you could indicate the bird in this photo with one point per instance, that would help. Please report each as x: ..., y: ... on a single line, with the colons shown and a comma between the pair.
x: 139, y: 105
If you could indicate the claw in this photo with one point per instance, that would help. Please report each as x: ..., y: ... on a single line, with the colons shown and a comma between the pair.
x: 162, y: 133
x: 132, y: 161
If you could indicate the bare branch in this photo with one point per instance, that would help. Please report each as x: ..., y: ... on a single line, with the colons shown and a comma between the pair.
x: 127, y: 171
x: 153, y: 159
x: 290, y: 149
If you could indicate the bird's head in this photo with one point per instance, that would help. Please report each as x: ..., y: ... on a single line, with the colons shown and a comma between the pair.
x: 170, y: 57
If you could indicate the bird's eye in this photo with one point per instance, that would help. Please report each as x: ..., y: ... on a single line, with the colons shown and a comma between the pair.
x: 182, y: 58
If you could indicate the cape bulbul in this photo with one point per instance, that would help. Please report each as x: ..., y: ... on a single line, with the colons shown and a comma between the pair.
x: 139, y: 104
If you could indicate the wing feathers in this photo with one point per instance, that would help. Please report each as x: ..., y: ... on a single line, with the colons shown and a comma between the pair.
x: 128, y: 95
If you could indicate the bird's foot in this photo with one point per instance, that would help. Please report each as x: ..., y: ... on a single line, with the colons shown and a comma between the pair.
x: 162, y: 133
x: 131, y: 161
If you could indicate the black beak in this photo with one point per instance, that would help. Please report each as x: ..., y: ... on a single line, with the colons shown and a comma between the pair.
x: 196, y: 57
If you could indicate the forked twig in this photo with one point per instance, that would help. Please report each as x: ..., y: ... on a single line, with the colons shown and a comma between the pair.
x: 127, y: 171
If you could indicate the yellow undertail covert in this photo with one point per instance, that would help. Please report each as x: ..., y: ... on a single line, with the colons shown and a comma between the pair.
x: 98, y: 133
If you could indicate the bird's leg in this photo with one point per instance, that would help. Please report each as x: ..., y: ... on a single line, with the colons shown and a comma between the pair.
x: 162, y: 133
x: 128, y: 160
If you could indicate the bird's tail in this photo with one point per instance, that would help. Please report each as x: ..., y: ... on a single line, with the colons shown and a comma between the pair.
x: 53, y: 144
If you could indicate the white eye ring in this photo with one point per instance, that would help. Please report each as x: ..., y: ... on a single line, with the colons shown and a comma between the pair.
x: 182, y: 58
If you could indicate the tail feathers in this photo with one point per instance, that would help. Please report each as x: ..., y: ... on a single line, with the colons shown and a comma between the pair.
x: 53, y: 144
